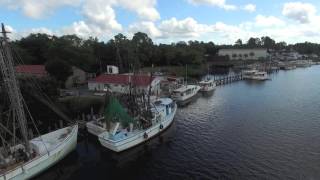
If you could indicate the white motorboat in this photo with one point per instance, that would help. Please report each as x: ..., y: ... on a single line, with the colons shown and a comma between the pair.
x: 255, y: 75
x: 248, y: 74
x: 185, y: 94
x: 208, y: 85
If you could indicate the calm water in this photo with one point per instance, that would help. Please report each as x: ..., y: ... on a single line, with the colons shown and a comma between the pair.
x: 245, y: 130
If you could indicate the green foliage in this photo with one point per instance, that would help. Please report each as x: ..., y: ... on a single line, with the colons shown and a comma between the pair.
x: 59, y: 69
x: 92, y: 55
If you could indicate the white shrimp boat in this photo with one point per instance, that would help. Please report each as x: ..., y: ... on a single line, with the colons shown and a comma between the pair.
x: 48, y: 150
x: 208, y: 85
x: 23, y: 157
x: 185, y: 94
x: 120, y: 139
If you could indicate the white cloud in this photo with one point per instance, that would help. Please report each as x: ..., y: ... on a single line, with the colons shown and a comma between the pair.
x: 37, y: 9
x: 301, y: 12
x: 146, y: 27
x: 250, y: 7
x: 266, y: 21
x: 217, y: 3
x: 187, y: 27
x: 144, y: 8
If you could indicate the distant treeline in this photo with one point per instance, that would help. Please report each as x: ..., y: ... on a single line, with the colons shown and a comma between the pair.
x: 93, y: 55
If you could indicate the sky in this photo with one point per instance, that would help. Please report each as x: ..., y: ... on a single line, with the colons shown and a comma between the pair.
x: 166, y: 21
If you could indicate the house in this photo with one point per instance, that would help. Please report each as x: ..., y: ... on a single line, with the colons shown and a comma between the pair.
x: 244, y: 54
x: 120, y: 83
x: 31, y: 70
x: 78, y: 77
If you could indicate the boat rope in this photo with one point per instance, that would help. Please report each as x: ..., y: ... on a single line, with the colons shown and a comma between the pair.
x: 34, y: 124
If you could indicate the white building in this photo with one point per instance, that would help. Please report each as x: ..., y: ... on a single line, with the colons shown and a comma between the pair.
x: 112, y: 69
x: 244, y: 54
x: 120, y: 83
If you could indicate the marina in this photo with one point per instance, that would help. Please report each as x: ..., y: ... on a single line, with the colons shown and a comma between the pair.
x: 235, y: 133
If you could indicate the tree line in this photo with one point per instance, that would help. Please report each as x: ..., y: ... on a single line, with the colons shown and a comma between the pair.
x: 92, y: 55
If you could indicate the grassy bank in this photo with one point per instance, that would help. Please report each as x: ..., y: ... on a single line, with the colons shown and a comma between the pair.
x: 78, y: 105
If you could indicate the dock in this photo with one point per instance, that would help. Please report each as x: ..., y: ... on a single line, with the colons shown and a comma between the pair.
x: 228, y: 79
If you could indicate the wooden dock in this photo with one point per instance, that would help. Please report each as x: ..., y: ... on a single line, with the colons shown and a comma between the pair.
x: 228, y: 79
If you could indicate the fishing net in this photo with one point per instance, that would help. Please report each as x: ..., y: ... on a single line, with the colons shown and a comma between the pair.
x: 115, y: 112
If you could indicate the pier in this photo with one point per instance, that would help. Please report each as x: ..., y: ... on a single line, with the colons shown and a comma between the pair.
x: 228, y: 79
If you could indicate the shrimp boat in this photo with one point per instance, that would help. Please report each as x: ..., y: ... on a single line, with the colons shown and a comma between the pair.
x: 23, y: 157
x: 125, y: 132
x: 118, y: 131
x: 132, y: 118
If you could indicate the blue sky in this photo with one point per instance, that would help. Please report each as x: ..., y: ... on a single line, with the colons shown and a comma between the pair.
x: 220, y: 21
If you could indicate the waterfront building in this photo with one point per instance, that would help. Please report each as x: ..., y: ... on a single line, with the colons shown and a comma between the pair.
x: 120, y: 83
x: 244, y: 54
x: 78, y: 77
x: 31, y: 70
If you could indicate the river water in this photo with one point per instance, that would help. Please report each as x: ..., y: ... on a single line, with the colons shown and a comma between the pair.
x: 245, y: 130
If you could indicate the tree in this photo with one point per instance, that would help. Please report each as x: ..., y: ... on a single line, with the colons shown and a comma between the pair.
x: 254, y: 42
x: 59, y: 69
x: 238, y: 43
x: 267, y: 42
x: 143, y: 48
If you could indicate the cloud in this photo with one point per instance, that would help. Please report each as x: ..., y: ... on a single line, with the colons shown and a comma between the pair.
x: 144, y: 8
x: 301, y: 12
x: 146, y: 27
x: 267, y: 21
x: 250, y: 7
x: 38, y: 9
x: 218, y: 3
x: 187, y: 27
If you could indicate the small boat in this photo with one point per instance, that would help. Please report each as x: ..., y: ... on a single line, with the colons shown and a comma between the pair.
x: 122, y: 132
x: 208, y: 85
x: 247, y: 74
x: 255, y: 75
x: 185, y: 94
x: 261, y: 76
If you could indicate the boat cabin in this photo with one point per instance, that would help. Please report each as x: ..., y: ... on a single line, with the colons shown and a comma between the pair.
x: 185, y: 91
x: 207, y: 85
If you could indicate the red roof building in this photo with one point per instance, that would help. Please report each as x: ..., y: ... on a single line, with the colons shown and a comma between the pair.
x: 33, y: 70
x: 123, y: 79
x: 120, y: 82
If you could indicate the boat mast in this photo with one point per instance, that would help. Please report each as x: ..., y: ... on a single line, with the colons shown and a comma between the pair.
x: 12, y: 87
x: 186, y: 83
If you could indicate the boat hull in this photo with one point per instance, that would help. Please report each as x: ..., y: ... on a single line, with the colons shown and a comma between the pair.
x: 45, y: 161
x: 94, y: 129
x: 139, y: 138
